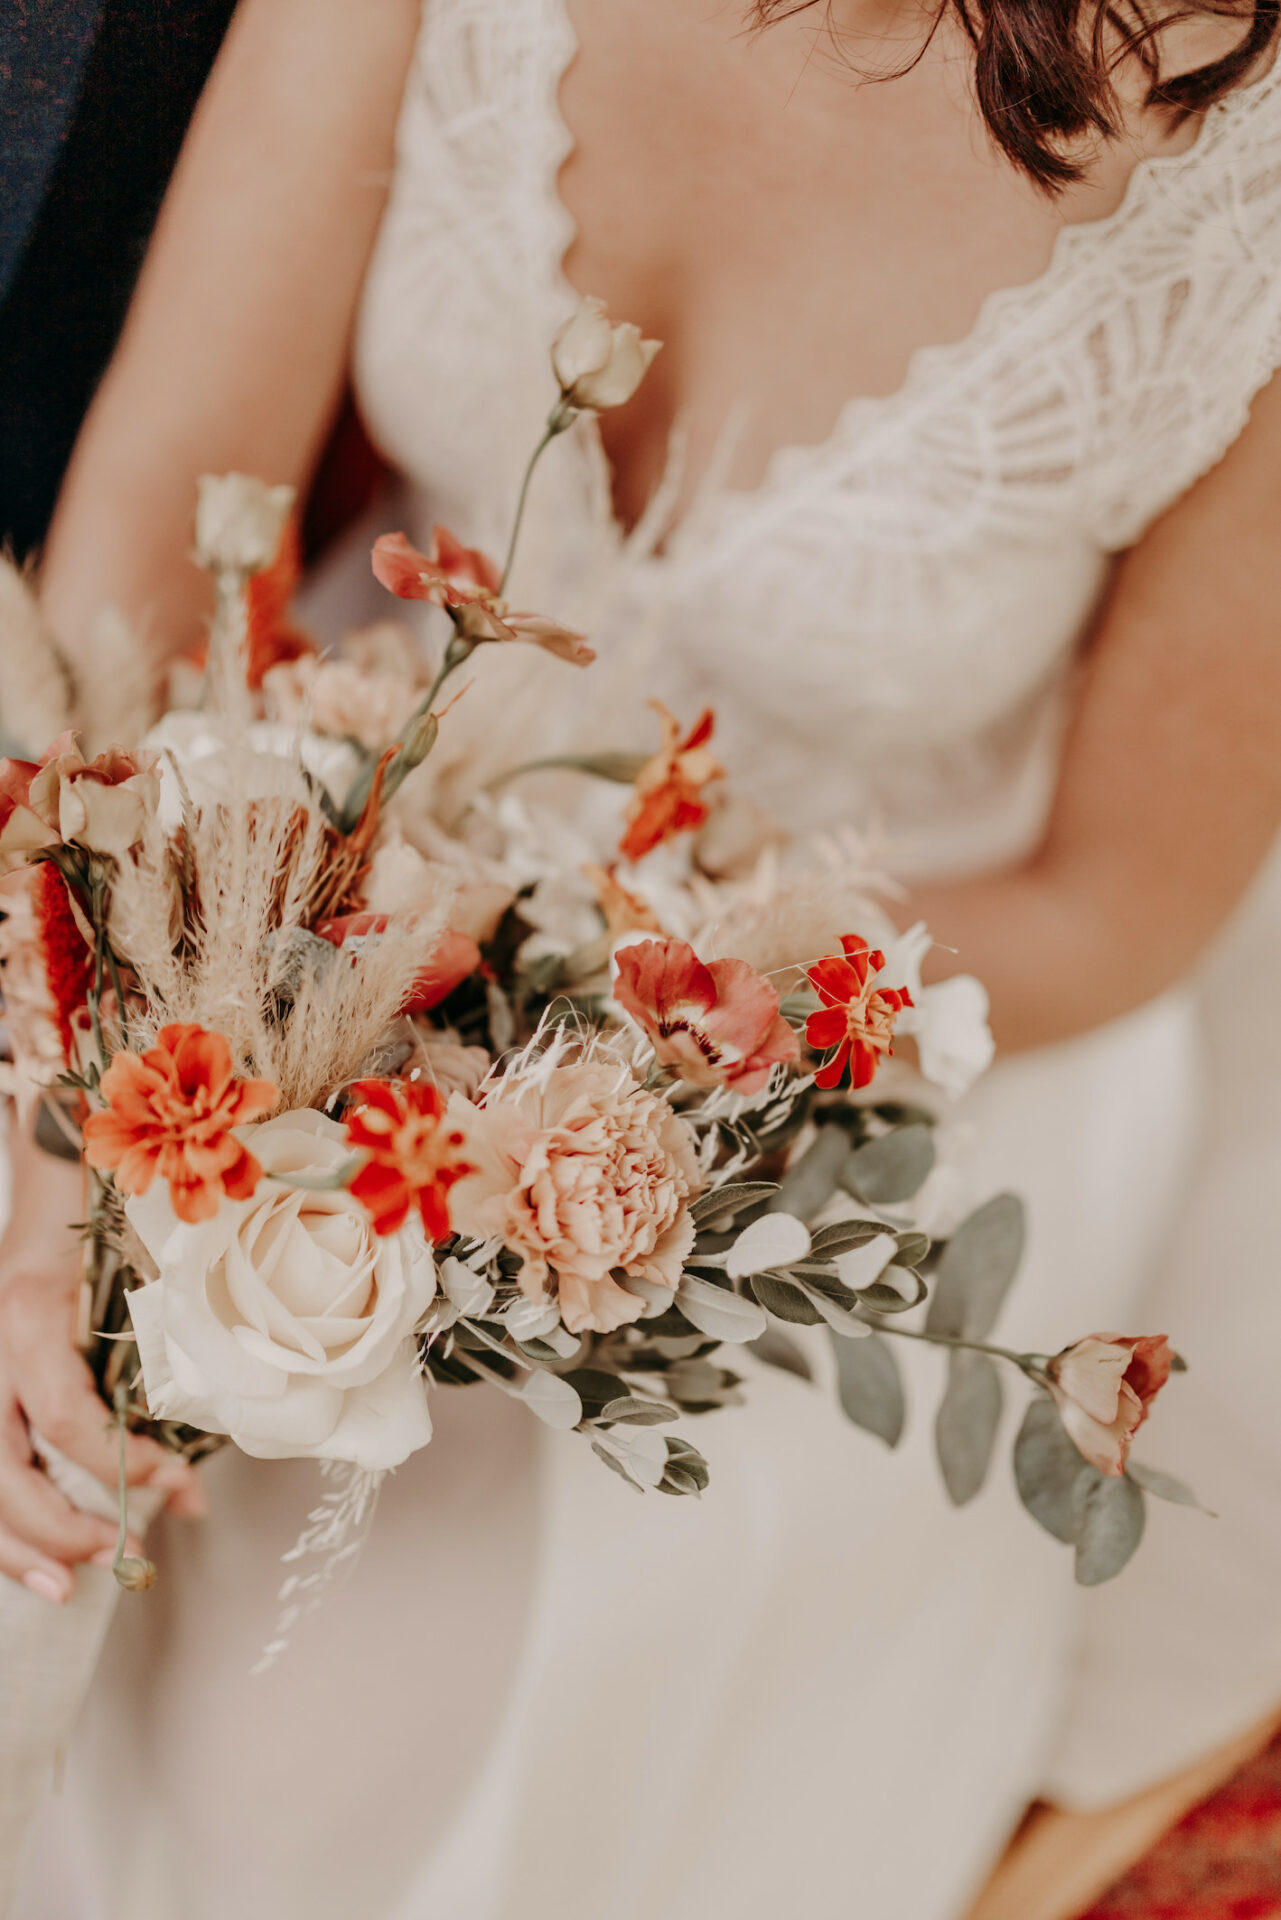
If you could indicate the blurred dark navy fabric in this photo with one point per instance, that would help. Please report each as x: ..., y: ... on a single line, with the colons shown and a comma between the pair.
x: 95, y: 97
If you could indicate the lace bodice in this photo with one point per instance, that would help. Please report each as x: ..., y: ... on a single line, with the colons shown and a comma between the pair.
x: 884, y: 626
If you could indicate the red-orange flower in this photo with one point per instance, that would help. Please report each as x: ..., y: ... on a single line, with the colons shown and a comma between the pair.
x: 669, y: 787
x: 413, y: 1157
x: 856, y: 1017
x: 453, y: 957
x: 171, y: 1111
x: 466, y: 583
x: 716, y: 1025
x: 271, y: 637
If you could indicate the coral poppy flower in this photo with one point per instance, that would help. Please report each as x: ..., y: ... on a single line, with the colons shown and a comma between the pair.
x: 669, y: 787
x: 857, y: 1018
x: 171, y: 1111
x: 465, y: 582
x: 716, y: 1026
x: 413, y: 1156
x: 453, y: 957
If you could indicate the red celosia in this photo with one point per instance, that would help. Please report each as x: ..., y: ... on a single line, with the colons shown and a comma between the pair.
x: 68, y: 963
x: 452, y: 958
x: 271, y: 636
x: 857, y: 1018
x: 171, y: 1111
x: 669, y: 787
x: 716, y: 1025
x: 413, y: 1158
x: 466, y: 583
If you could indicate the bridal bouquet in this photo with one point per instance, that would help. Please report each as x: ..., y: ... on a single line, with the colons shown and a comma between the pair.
x: 575, y: 1101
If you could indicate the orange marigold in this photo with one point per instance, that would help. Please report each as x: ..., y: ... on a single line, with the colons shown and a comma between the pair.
x: 856, y: 1017
x: 171, y: 1111
x: 413, y: 1158
x: 669, y: 787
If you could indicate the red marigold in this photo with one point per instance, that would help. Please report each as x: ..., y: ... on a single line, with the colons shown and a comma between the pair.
x: 857, y: 1018
x: 171, y: 1111
x: 669, y: 787
x: 413, y: 1160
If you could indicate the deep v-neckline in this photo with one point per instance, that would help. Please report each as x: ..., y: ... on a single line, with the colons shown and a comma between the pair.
x: 868, y: 420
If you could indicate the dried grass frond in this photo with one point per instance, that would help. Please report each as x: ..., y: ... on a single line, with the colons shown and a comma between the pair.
x: 35, y: 681
x: 293, y: 1009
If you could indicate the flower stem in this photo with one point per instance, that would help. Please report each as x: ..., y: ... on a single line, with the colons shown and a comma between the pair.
x: 558, y: 419
x: 134, y: 1575
x: 1025, y: 1362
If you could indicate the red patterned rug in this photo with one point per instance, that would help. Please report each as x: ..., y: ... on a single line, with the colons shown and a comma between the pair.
x: 1222, y: 1861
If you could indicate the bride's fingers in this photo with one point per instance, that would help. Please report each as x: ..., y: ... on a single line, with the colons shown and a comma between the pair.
x: 20, y: 1561
x: 63, y: 1406
x: 32, y: 1509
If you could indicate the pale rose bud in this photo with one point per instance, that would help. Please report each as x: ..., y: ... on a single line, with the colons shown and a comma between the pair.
x: 599, y: 365
x: 239, y: 522
x: 107, y: 819
x: 1103, y: 1387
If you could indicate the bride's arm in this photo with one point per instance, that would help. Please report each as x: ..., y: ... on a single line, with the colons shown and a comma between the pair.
x: 234, y: 352
x: 1170, y: 793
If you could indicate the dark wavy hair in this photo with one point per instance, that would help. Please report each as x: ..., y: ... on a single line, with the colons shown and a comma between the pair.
x: 1043, y: 69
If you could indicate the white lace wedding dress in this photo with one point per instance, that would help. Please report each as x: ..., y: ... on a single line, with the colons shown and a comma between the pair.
x: 819, y: 1691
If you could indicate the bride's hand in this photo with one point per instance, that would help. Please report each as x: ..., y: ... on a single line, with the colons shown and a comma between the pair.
x: 46, y: 1388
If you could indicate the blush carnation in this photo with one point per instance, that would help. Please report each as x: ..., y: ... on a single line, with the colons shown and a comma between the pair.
x: 586, y: 1176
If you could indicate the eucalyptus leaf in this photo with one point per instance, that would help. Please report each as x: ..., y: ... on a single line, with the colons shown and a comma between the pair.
x: 719, y: 1314
x: 724, y: 1202
x: 912, y: 1248
x: 678, y: 1479
x: 1165, y: 1487
x: 975, y: 1271
x: 696, y: 1381
x: 776, y: 1350
x: 615, y: 1465
x: 775, y: 1240
x: 870, y: 1386
x: 686, y: 1467
x: 836, y: 1303
x: 881, y: 1297
x: 846, y: 1236
x: 632, y: 1410
x: 594, y: 1387
x: 552, y: 1399
x: 892, y: 1168
x: 1047, y: 1467
x: 1110, y: 1519
x: 965, y: 1427
x: 809, y: 1185
x: 784, y: 1300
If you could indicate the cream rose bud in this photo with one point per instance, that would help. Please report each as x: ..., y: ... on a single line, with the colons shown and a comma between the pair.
x: 285, y: 1321
x: 239, y: 522
x: 107, y: 819
x: 599, y: 365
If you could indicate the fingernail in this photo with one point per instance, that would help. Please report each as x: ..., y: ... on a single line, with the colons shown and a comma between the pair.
x: 47, y: 1585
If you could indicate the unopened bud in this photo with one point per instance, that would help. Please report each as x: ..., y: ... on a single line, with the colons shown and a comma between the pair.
x: 134, y: 1575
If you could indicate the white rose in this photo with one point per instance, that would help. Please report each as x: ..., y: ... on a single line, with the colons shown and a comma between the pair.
x: 216, y: 766
x: 599, y: 365
x: 239, y: 522
x: 285, y: 1321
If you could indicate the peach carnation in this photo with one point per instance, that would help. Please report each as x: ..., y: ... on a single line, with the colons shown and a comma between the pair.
x: 586, y: 1176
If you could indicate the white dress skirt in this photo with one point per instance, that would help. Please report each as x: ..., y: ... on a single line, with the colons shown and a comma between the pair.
x: 819, y: 1690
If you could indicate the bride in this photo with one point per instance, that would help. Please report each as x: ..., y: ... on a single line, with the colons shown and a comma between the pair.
x: 955, y: 492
